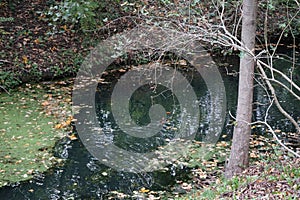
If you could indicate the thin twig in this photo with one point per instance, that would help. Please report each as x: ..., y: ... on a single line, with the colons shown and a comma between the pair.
x: 4, y: 89
x: 6, y: 61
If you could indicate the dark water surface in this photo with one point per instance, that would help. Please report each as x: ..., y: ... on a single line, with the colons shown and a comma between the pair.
x: 83, y: 177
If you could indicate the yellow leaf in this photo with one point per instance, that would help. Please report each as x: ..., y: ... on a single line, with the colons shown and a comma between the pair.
x: 69, y: 120
x: 144, y: 190
x: 53, y: 48
x: 58, y: 126
x: 18, y: 161
x: 72, y: 137
x: 36, y: 41
x: 68, y: 100
x: 25, y: 59
x: 65, y: 27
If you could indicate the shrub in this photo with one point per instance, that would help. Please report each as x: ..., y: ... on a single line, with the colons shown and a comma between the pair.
x: 8, y: 80
x: 76, y: 12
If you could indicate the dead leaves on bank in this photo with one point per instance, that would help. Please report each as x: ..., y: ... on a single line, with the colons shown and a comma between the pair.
x: 276, y: 179
x: 272, y: 174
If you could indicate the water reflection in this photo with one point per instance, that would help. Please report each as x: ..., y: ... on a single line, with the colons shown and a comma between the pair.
x: 84, y: 177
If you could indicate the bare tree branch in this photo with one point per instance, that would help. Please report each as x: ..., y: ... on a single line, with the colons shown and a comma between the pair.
x: 273, y: 132
x: 271, y: 88
x: 284, y: 86
x: 280, y: 73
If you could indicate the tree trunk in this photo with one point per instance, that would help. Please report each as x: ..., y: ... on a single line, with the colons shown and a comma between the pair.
x: 239, y: 155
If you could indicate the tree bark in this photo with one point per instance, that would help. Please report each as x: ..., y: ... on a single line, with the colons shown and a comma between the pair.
x: 239, y: 155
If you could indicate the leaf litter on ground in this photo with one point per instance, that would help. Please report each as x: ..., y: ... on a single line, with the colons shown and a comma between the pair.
x: 273, y: 174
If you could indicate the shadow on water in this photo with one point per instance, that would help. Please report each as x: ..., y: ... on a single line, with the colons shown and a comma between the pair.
x: 83, y: 177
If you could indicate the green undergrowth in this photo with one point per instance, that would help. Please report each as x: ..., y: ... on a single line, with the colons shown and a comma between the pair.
x: 273, y: 174
x: 27, y: 131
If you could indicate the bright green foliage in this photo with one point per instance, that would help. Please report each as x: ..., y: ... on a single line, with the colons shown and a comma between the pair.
x: 6, y: 19
x: 79, y: 12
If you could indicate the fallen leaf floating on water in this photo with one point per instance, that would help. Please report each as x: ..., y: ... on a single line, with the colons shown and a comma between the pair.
x: 144, y: 190
x: 104, y: 173
x: 64, y: 124
x: 58, y: 126
x: 72, y: 137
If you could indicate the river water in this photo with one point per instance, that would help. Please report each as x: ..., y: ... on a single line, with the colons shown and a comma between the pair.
x: 84, y: 177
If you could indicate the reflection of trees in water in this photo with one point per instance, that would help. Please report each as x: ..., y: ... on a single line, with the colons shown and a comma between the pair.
x: 262, y: 100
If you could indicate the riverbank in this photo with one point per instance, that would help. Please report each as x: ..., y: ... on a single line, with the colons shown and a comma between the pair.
x: 33, y: 50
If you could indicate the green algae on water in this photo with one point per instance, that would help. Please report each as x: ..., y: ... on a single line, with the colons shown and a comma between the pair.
x: 27, y: 134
